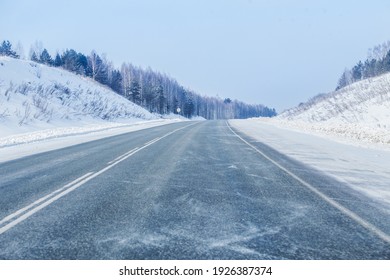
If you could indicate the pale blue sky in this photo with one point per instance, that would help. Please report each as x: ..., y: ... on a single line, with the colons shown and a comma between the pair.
x: 278, y: 53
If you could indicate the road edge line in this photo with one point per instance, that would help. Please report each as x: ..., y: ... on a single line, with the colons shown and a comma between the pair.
x: 367, y: 225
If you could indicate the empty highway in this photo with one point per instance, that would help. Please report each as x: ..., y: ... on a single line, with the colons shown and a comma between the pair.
x: 189, y: 190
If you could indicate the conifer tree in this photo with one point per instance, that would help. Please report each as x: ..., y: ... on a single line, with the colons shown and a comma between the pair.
x: 45, y: 58
x: 135, y: 91
x: 6, y: 49
x: 57, y: 61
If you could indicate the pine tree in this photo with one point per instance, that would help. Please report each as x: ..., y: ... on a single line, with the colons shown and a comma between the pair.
x: 82, y: 65
x: 69, y: 58
x: 6, y: 49
x: 357, y: 71
x: 135, y: 91
x: 116, y: 81
x: 188, y: 109
x: 161, y: 99
x: 45, y: 58
x: 34, y: 57
x: 386, y: 62
x: 57, y: 61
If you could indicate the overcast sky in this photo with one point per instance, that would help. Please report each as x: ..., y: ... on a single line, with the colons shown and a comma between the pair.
x: 277, y: 53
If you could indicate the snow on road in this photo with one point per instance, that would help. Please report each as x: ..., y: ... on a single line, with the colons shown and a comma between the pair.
x: 365, y: 168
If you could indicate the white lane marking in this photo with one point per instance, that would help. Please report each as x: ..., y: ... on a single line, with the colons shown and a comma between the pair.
x: 43, y: 205
x: 382, y: 235
x: 121, y: 156
x: 154, y: 140
x: 20, y: 211
x: 71, y: 187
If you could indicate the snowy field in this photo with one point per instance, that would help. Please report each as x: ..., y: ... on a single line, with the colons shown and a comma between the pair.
x: 362, y: 165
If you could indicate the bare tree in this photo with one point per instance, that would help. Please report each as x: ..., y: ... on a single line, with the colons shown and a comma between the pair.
x: 95, y: 63
x: 379, y: 51
x: 126, y: 79
x: 20, y: 50
x: 36, y: 49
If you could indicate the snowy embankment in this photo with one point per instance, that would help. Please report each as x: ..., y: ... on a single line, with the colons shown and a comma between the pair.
x: 358, y: 113
x: 40, y: 103
x: 32, y: 94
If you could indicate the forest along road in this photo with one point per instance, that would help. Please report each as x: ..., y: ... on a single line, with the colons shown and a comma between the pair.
x: 190, y: 190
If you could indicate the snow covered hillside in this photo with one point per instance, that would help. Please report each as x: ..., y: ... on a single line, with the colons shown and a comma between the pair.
x: 35, y: 97
x: 360, y: 111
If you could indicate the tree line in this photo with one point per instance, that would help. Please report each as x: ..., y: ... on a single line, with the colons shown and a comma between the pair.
x: 377, y: 63
x: 150, y: 89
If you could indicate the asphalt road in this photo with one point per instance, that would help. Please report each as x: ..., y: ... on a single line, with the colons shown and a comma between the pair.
x: 182, y: 191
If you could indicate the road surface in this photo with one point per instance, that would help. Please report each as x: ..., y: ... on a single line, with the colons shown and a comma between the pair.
x: 191, y: 190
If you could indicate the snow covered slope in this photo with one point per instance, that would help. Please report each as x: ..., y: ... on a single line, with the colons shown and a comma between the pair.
x: 34, y: 95
x: 360, y: 111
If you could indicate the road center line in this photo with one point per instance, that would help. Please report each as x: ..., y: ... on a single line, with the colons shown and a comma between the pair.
x: 154, y: 140
x: 57, y: 194
x: 20, y: 211
x: 122, y: 156
x: 382, y: 235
